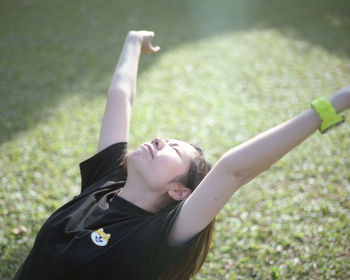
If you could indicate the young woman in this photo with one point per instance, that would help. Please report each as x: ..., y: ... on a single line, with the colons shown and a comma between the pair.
x: 141, y: 215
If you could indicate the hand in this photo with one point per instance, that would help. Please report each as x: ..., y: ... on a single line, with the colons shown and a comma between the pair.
x: 144, y: 37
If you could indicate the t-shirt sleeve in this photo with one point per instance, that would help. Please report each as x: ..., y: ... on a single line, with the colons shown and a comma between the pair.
x: 106, y: 163
x: 166, y: 254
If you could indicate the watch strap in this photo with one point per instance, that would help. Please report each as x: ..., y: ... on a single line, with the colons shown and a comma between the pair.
x: 327, y: 114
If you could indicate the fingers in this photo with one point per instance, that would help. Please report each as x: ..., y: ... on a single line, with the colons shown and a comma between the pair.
x: 145, y: 38
x: 155, y: 49
x: 150, y: 49
x: 147, y: 44
x: 151, y: 34
x: 145, y: 34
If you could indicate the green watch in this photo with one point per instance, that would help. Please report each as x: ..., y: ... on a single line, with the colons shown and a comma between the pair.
x: 327, y: 114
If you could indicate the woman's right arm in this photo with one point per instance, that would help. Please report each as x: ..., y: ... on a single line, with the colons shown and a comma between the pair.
x: 243, y: 163
x: 122, y: 90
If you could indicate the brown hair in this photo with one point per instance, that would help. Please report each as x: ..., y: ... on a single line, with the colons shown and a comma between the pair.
x: 190, y: 264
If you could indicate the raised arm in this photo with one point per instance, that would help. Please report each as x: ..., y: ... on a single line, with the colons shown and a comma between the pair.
x: 241, y: 164
x: 122, y: 90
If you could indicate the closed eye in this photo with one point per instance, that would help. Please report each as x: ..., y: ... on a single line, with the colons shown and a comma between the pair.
x: 173, y: 146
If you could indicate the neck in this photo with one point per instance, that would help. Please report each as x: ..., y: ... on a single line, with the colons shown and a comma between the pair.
x: 136, y: 192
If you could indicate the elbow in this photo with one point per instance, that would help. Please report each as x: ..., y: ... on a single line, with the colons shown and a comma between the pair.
x: 119, y: 94
x: 234, y: 168
x: 116, y: 91
x: 240, y: 170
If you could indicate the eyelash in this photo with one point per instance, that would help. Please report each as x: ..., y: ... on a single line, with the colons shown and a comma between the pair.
x: 175, y: 149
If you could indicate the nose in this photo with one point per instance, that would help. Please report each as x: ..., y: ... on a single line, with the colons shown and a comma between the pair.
x: 158, y: 143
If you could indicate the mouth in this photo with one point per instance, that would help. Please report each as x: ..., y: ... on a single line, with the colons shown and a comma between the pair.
x: 150, y: 150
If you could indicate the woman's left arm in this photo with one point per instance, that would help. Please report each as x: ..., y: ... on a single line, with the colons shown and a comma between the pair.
x: 243, y: 163
x: 259, y: 153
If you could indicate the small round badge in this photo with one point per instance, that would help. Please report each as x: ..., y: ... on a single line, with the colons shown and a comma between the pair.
x: 99, y: 237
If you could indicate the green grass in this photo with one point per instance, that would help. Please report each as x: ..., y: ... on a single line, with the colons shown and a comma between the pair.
x: 226, y: 72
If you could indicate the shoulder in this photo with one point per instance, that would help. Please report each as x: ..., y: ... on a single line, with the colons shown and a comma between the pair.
x: 108, y: 162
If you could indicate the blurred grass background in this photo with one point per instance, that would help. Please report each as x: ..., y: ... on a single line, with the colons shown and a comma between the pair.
x: 227, y: 70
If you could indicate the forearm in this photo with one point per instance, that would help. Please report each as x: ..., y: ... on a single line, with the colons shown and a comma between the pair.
x: 258, y: 154
x: 125, y: 74
x: 251, y: 158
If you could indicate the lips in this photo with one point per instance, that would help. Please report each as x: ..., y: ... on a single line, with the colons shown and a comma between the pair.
x: 150, y: 150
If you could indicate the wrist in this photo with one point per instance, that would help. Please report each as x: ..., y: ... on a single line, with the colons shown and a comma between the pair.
x: 132, y: 46
x: 327, y: 113
x: 133, y: 38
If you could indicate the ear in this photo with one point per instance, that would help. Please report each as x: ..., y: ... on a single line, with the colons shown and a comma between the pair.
x: 179, y: 193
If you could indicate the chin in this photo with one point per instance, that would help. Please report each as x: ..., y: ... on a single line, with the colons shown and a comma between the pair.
x: 137, y: 164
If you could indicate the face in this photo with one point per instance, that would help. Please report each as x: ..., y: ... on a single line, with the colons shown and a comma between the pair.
x: 161, y: 161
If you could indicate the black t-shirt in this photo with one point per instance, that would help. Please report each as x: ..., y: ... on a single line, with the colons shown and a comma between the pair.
x: 99, y: 235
